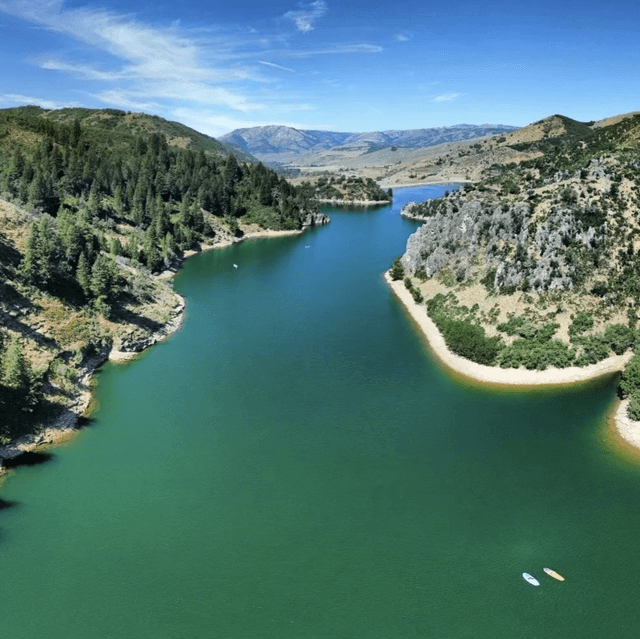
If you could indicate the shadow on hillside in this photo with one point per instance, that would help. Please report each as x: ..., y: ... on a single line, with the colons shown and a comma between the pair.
x: 26, y: 331
x: 11, y: 298
x: 67, y: 290
x: 9, y: 256
x: 121, y: 314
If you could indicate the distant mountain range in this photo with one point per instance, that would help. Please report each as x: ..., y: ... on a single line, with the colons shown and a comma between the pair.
x: 265, y: 142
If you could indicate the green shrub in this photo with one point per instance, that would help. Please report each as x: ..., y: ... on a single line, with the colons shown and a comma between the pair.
x: 537, y: 355
x: 619, y: 337
x: 581, y: 322
x: 512, y: 325
x: 417, y: 296
x: 630, y: 380
x: 488, y: 279
x: 594, y: 350
x: 470, y: 341
x: 397, y: 270
x: 462, y: 336
x: 407, y: 283
x: 633, y: 410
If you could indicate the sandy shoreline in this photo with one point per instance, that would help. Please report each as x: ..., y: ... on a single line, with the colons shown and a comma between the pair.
x: 66, y: 426
x: 450, y: 181
x: 337, y: 202
x: 628, y: 429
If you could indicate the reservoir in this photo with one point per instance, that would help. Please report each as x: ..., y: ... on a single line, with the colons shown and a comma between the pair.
x: 293, y: 465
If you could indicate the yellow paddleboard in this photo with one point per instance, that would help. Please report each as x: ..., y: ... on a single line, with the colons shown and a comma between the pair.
x: 554, y: 574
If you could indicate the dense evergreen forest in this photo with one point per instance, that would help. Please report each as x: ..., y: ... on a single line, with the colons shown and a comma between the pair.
x: 97, y: 202
x: 126, y: 194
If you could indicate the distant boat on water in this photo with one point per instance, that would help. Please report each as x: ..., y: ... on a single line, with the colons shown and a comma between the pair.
x: 235, y: 266
x: 554, y: 574
x: 532, y: 580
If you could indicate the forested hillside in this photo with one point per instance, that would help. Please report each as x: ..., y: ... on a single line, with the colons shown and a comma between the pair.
x: 89, y: 214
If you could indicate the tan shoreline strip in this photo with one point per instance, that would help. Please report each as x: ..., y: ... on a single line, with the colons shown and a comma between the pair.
x: 495, y: 375
x: 628, y: 429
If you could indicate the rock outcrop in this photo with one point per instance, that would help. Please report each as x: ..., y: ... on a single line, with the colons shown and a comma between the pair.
x: 503, y: 241
x: 315, y: 218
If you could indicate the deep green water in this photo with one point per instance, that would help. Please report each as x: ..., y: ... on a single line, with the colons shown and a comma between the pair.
x: 291, y: 465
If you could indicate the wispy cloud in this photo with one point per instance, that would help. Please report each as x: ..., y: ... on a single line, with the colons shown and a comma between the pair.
x: 216, y: 125
x: 446, y: 97
x: 14, y: 99
x: 136, y: 65
x: 276, y: 66
x: 82, y: 71
x: 337, y: 49
x: 307, y: 15
x: 162, y: 62
x: 127, y: 100
x: 402, y: 37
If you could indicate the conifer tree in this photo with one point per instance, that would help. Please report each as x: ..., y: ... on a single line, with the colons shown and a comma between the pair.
x: 29, y: 264
x: 83, y: 275
x: 15, y: 373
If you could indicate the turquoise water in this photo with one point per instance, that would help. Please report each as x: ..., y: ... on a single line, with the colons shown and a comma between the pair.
x: 291, y: 464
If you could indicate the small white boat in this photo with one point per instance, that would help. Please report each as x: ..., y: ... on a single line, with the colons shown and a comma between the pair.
x: 235, y: 266
x: 532, y: 580
x: 554, y: 574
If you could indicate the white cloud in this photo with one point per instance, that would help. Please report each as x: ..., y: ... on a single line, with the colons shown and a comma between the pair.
x: 124, y: 100
x: 402, y: 37
x: 217, y: 125
x: 162, y: 62
x: 446, y: 97
x: 338, y: 49
x: 159, y: 68
x: 276, y: 66
x: 307, y: 15
x: 82, y: 71
x: 16, y: 99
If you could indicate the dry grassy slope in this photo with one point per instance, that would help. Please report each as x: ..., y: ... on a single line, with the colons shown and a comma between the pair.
x: 52, y: 331
x: 451, y: 162
x: 614, y: 119
x: 457, y: 161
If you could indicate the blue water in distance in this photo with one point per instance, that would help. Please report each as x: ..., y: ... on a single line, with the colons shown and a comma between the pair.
x: 292, y: 465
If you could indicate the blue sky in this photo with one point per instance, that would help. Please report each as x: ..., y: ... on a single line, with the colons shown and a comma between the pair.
x: 348, y: 66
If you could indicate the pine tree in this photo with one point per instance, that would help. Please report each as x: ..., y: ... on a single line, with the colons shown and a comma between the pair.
x: 15, y: 372
x: 131, y: 249
x: 94, y: 201
x: 397, y: 270
x: 38, y: 191
x: 47, y: 249
x: 102, y: 276
x: 83, y: 275
x: 29, y: 264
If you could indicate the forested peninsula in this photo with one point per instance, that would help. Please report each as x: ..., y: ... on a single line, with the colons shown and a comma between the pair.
x: 343, y: 190
x: 536, y: 265
x: 98, y: 208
